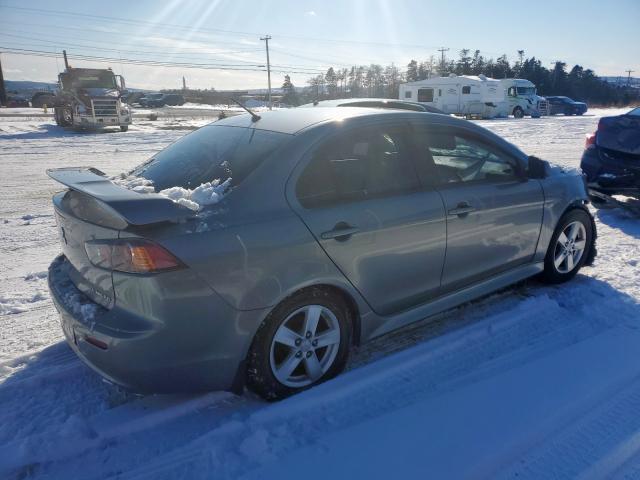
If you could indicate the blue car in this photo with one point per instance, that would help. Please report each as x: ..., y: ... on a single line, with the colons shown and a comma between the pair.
x: 611, y: 158
x: 565, y: 106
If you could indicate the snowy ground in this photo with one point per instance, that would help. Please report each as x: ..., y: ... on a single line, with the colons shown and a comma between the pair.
x: 532, y: 382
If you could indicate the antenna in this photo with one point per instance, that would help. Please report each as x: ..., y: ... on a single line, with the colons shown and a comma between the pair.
x: 254, y: 116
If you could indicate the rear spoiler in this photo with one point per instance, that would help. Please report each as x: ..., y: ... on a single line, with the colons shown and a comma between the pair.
x: 134, y: 208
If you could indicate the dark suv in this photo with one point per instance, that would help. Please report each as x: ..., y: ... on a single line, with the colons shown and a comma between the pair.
x: 566, y: 106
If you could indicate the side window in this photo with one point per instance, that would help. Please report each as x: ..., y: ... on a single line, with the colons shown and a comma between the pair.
x: 457, y: 157
x: 466, y: 90
x: 408, y: 94
x: 425, y: 95
x: 368, y: 163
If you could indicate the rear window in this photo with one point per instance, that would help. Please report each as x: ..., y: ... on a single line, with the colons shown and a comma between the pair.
x: 210, y: 153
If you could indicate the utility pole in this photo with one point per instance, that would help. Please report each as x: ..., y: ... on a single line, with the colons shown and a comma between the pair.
x: 3, y: 93
x: 184, y: 84
x: 629, y: 72
x: 66, y: 62
x: 266, y: 40
x: 442, y: 50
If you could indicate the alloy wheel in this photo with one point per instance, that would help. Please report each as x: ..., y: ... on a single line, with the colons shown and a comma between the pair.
x: 305, y: 346
x: 570, y: 247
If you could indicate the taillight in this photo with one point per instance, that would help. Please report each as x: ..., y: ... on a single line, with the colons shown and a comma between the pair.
x: 590, y: 140
x: 131, y: 256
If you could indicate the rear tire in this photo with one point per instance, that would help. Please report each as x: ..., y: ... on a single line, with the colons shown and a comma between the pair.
x: 570, y: 247
x: 303, y: 342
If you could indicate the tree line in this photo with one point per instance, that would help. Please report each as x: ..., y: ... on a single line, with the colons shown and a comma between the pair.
x: 384, y: 81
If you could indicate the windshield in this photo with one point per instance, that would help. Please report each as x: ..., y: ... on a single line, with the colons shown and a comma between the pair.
x: 526, y: 90
x: 210, y: 153
x: 94, y: 80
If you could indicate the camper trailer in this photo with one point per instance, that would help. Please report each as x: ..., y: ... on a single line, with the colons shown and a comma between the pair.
x: 479, y: 96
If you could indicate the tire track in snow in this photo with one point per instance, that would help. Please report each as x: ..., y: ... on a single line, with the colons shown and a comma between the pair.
x: 530, y: 330
x: 593, y: 446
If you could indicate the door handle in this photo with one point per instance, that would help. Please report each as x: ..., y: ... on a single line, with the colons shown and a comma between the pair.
x: 341, y: 232
x: 462, y: 210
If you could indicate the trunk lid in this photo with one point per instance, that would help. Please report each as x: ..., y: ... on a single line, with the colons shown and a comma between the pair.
x: 74, y: 231
x: 94, y: 208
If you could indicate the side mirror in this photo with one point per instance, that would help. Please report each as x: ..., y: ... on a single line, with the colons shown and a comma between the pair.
x: 537, y: 168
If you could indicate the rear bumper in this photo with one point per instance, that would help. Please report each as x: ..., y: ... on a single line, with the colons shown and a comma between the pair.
x: 153, y: 355
x: 609, y: 175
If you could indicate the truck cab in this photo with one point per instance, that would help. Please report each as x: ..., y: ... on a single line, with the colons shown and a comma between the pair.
x: 91, y: 98
x: 522, y: 99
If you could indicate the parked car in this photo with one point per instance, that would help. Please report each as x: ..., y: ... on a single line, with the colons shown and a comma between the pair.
x: 375, y: 103
x: 17, y: 101
x: 565, y: 106
x: 173, y: 99
x: 157, y: 100
x: 332, y: 226
x: 152, y: 100
x: 611, y: 158
x: 40, y: 99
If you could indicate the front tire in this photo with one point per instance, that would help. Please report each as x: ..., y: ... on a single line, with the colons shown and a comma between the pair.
x: 518, y: 112
x: 569, y: 248
x: 303, y: 342
x: 124, y: 128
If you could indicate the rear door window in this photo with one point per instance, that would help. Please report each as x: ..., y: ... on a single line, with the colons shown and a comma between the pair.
x: 455, y: 157
x: 369, y: 163
x: 210, y: 153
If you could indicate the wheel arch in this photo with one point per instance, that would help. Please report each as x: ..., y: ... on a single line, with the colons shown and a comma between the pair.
x: 343, y: 293
x: 582, y: 205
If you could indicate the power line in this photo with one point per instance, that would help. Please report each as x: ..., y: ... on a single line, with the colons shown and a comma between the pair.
x: 153, y: 63
x: 140, y: 52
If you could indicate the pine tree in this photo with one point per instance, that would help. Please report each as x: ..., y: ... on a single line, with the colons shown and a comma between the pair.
x: 412, y: 71
x: 331, y: 80
x: 290, y: 96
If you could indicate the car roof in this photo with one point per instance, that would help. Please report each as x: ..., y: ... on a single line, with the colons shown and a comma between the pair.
x: 293, y: 120
x: 348, y: 101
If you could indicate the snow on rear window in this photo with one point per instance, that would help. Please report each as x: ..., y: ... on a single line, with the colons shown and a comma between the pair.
x: 211, y: 153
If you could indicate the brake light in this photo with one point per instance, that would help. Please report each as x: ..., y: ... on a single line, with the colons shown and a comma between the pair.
x: 131, y: 256
x: 590, y: 140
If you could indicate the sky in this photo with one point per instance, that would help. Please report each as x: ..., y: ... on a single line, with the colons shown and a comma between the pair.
x: 307, y: 36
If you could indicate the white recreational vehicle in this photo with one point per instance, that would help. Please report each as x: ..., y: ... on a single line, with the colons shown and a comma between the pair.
x: 477, y: 96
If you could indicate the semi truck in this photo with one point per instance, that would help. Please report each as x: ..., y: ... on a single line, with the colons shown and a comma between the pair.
x: 91, y: 98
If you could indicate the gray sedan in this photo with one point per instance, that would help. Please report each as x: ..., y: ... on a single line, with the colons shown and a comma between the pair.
x: 258, y: 249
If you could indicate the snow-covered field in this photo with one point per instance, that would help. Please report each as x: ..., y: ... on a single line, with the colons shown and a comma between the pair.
x: 532, y: 382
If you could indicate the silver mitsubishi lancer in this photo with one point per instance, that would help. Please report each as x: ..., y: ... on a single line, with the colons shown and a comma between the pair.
x: 255, y: 251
